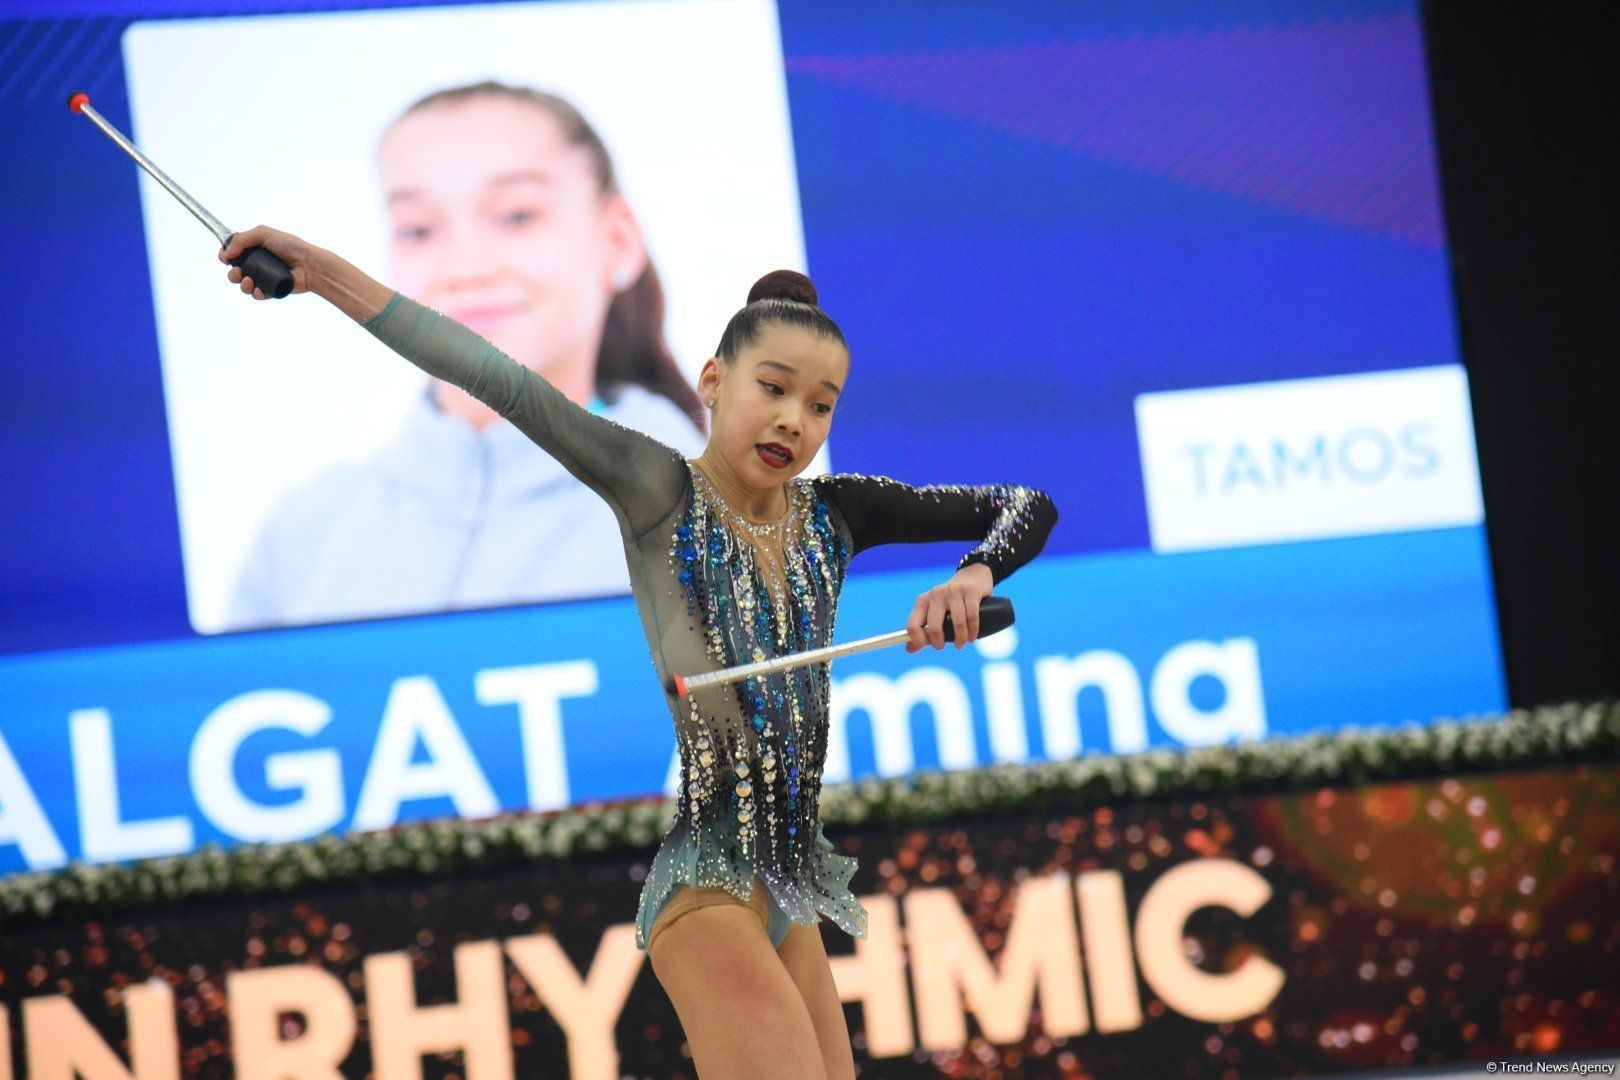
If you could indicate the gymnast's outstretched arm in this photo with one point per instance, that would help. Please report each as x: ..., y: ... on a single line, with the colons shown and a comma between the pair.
x: 638, y: 476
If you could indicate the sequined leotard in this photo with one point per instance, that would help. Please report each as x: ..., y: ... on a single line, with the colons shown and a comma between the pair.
x: 714, y: 589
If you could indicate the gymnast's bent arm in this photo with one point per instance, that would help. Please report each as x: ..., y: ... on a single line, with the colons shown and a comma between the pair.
x: 1010, y: 522
x: 638, y: 476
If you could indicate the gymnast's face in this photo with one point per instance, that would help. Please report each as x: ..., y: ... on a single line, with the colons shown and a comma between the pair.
x: 498, y: 221
x: 781, y: 389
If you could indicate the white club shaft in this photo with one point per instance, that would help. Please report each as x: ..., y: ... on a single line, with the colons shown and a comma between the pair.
x: 215, y: 226
x: 791, y: 660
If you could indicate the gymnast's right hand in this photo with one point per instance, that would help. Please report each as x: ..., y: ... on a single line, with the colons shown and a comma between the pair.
x: 301, y: 257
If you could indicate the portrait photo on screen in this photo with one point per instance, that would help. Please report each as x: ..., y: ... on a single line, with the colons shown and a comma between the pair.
x: 564, y: 179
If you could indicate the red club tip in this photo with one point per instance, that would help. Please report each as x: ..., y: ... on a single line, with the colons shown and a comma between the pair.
x: 680, y: 686
x: 78, y: 101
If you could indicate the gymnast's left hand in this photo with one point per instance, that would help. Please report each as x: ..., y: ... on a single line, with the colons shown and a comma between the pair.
x: 961, y: 597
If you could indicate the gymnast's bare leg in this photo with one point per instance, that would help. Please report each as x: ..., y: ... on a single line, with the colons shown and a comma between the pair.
x: 742, y: 1012
x: 805, y: 958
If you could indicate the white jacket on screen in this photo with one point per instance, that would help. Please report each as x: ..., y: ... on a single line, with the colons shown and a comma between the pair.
x: 444, y: 517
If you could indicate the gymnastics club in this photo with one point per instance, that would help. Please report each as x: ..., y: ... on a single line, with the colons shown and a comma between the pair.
x: 995, y: 614
x: 268, y: 272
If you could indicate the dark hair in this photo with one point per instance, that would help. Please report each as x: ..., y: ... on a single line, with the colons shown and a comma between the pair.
x: 781, y: 296
x: 633, y: 348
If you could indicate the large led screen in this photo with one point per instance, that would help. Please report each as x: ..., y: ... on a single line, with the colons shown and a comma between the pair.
x: 1184, y: 268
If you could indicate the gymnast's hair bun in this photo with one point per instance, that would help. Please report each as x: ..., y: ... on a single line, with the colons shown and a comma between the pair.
x: 783, y: 285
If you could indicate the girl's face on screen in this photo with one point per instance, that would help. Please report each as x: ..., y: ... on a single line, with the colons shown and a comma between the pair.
x: 499, y: 222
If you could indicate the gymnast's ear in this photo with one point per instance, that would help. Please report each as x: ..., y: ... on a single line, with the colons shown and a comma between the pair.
x: 710, y: 377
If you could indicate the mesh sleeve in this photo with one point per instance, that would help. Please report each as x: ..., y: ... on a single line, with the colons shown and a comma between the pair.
x: 638, y: 476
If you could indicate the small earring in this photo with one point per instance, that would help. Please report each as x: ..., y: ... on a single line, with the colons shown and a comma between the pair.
x: 621, y: 280
x: 711, y: 403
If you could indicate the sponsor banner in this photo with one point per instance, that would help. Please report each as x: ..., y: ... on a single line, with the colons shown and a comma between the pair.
x: 1340, y: 930
x: 150, y: 750
x: 1304, y: 459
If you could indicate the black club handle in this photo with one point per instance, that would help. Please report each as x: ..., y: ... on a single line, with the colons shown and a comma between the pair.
x: 995, y: 614
x: 270, y: 275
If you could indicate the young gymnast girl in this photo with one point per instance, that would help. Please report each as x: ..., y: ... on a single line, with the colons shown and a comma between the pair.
x: 733, y: 558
